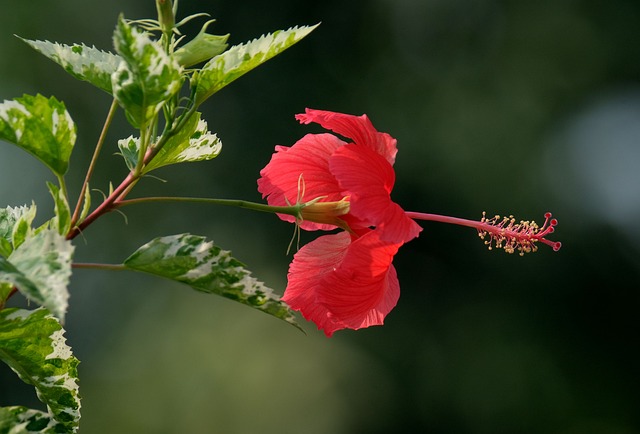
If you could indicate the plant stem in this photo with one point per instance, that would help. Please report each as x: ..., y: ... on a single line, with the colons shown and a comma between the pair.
x: 293, y: 210
x: 106, y: 206
x: 112, y: 267
x: 94, y: 158
x: 168, y: 133
x: 116, y: 198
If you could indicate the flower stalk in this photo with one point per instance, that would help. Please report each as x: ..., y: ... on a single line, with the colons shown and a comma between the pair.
x: 296, y: 210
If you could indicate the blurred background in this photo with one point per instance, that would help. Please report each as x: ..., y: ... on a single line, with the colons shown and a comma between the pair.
x: 509, y: 107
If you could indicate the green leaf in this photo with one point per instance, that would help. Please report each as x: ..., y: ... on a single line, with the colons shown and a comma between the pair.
x: 41, y: 127
x: 62, y: 220
x: 5, y: 290
x: 15, y: 226
x: 192, y: 143
x: 84, y: 63
x: 86, y: 205
x: 40, y: 268
x: 5, y: 248
x: 192, y: 260
x: 32, y: 343
x: 146, y: 78
x: 240, y: 59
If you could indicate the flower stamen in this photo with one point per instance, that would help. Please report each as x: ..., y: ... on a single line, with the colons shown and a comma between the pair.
x: 511, y: 236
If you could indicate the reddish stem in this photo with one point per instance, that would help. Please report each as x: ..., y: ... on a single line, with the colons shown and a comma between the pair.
x: 105, y: 207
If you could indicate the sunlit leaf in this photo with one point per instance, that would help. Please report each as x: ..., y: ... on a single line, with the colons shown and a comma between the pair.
x: 84, y: 63
x: 41, y: 127
x: 193, y: 260
x: 32, y: 343
x: 192, y: 143
x: 40, y: 268
x: 146, y: 77
x: 240, y: 59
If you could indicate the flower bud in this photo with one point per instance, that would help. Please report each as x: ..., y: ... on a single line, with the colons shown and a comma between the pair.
x: 166, y: 16
x: 201, y: 48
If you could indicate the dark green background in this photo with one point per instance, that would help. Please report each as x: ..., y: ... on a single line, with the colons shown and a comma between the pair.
x: 503, y: 106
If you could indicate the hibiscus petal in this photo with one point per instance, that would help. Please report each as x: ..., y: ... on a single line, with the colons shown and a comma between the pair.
x: 364, y: 288
x: 280, y: 179
x: 357, y: 128
x: 307, y: 272
x: 338, y: 283
x: 368, y: 179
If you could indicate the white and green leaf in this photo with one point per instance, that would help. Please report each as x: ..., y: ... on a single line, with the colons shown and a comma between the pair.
x: 129, y: 148
x: 40, y: 126
x: 193, y: 260
x: 22, y: 230
x: 62, y: 219
x: 240, y: 59
x: 23, y: 420
x: 85, y: 63
x: 146, y: 77
x: 40, y: 268
x: 192, y: 143
x: 15, y: 226
x: 32, y: 343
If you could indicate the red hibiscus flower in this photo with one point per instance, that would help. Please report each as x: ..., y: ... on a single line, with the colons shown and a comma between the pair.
x: 344, y: 280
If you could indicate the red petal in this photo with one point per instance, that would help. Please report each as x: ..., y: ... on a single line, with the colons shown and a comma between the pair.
x: 357, y: 128
x: 309, y: 157
x: 308, y: 270
x: 340, y: 284
x: 368, y: 179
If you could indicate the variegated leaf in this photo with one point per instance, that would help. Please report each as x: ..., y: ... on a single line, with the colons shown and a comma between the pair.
x: 193, y: 260
x: 15, y: 226
x: 32, y: 343
x: 40, y: 126
x: 85, y: 63
x: 147, y: 76
x: 40, y: 268
x: 240, y: 59
x: 192, y: 143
